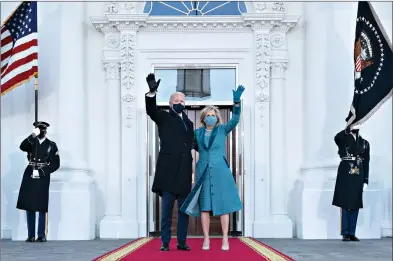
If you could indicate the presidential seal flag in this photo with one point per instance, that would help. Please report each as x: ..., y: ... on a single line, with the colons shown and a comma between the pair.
x: 373, y: 62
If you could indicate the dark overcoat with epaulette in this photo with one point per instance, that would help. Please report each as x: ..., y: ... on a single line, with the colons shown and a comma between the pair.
x: 354, y: 154
x: 34, y: 193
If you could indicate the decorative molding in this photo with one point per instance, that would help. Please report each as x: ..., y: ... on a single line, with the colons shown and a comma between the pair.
x: 120, y: 7
x: 266, y: 7
x: 128, y: 98
x: 278, y: 7
x: 111, y: 7
x: 112, y: 70
x: 128, y: 113
x: 127, y: 54
x: 129, y: 7
x: 278, y: 69
x: 260, y: 7
x: 113, y: 41
x: 262, y: 49
x: 277, y: 40
x: 257, y: 21
x: 263, y: 109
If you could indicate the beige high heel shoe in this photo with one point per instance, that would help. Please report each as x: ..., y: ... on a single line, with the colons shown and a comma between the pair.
x: 225, y: 245
x: 206, y: 245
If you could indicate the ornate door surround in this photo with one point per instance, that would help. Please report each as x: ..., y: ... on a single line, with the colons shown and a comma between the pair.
x: 120, y: 25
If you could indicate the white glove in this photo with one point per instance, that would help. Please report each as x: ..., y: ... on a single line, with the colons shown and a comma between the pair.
x: 35, y: 175
x: 364, y: 186
x: 36, y: 132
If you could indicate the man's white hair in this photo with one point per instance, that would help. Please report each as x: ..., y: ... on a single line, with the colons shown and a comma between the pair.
x: 175, y: 94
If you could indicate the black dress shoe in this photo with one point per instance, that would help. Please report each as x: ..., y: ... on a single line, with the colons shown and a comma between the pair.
x: 164, y: 247
x: 41, y: 239
x: 183, y: 247
x: 30, y: 239
x: 346, y: 238
x: 353, y: 238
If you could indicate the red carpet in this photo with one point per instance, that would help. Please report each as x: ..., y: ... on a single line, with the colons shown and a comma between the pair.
x: 241, y: 249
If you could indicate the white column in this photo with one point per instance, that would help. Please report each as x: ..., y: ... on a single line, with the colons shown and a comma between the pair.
x: 71, y: 89
x: 113, y: 142
x: 277, y: 130
x: 71, y: 186
x: 262, y: 132
x: 322, y: 91
x: 278, y: 181
x: 109, y: 224
x: 130, y: 127
x: 315, y: 169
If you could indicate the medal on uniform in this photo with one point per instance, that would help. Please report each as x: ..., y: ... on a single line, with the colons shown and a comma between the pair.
x: 354, y: 170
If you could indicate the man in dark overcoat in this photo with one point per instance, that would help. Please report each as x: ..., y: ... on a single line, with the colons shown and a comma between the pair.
x: 44, y: 159
x: 352, y: 178
x: 173, y: 177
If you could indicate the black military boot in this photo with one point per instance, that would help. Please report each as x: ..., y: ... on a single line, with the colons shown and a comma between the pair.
x: 30, y: 239
x: 164, y: 247
x: 183, y: 246
x: 353, y: 238
x: 346, y: 238
x: 41, y: 239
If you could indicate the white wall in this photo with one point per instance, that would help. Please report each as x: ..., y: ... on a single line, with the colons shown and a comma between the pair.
x: 308, y: 136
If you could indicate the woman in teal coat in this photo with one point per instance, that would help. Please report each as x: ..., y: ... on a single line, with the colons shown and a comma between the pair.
x: 215, y: 190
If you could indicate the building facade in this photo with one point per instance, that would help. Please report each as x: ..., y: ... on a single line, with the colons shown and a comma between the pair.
x: 295, y: 61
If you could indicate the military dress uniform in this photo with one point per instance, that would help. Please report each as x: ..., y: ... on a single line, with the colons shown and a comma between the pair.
x: 352, y: 174
x: 33, y: 196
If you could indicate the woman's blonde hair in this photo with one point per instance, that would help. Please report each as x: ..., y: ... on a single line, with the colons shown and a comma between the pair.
x: 208, y: 109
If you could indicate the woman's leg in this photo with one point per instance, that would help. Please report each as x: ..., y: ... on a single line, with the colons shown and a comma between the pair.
x: 225, y: 227
x: 205, y: 219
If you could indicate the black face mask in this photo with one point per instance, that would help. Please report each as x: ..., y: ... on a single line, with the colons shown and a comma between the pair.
x: 178, y: 107
x: 42, y: 134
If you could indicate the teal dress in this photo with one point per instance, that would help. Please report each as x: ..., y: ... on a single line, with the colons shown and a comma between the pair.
x: 205, y: 200
x: 215, y: 188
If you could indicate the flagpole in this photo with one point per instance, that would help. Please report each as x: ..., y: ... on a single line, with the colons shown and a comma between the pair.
x: 36, y: 116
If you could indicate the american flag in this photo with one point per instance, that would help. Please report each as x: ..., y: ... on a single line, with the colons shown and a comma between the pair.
x: 19, y: 48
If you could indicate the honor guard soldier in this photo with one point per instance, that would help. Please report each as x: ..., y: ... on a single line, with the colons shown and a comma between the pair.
x: 352, y: 178
x: 44, y: 159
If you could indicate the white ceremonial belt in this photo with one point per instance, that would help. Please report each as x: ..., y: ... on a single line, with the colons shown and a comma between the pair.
x: 348, y: 158
x: 39, y: 164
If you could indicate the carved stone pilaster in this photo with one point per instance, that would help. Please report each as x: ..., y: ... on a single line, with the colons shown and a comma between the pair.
x: 127, y: 55
x: 112, y: 70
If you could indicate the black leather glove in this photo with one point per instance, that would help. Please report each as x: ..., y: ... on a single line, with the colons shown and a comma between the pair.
x: 151, y: 81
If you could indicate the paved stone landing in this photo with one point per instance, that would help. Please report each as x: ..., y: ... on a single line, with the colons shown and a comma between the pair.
x: 300, y: 250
